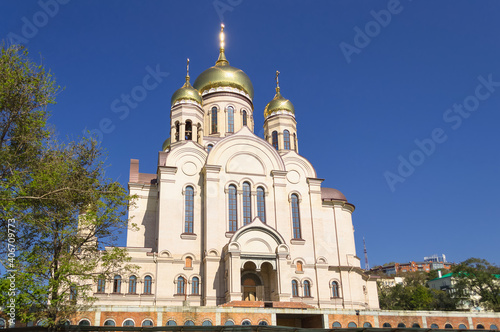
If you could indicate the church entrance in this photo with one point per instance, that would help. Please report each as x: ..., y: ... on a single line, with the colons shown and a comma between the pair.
x: 259, y: 284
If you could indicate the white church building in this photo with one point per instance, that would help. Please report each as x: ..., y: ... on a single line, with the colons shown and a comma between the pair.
x: 230, y: 218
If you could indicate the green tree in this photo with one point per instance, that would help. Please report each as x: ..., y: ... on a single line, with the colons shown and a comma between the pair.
x: 65, y: 209
x: 478, y: 276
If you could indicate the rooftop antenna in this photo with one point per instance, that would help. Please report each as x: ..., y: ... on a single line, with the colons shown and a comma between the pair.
x: 367, y: 266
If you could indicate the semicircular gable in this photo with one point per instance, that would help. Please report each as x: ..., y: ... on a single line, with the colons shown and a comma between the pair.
x: 296, y: 162
x: 246, y: 162
x: 180, y: 154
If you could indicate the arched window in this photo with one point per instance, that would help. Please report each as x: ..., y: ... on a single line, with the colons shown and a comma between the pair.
x: 195, y: 283
x: 109, y: 322
x: 2, y: 323
x: 295, y: 142
x: 247, y: 204
x: 299, y: 266
x: 230, y: 119
x: 261, y: 204
x: 296, y: 217
x: 448, y: 326
x: 147, y: 284
x: 352, y: 324
x: 493, y: 327
x: 147, y: 322
x: 480, y: 327
x: 189, y: 323
x: 246, y: 322
x: 128, y: 322
x: 188, y: 262
x: 101, y: 285
x: 275, y: 139
x: 229, y: 322
x: 463, y: 327
x: 84, y: 322
x: 188, y: 131
x: 189, y: 208
x: 263, y: 323
x: 245, y: 118
x: 286, y: 139
x: 206, y: 323
x: 181, y: 285
x: 401, y: 325
x: 335, y: 289
x: 295, y: 288
x: 307, y: 289
x: 434, y: 326
x: 366, y: 324
x: 132, y: 284
x: 209, y: 147
x: 415, y: 326
x: 386, y: 325
x: 233, y: 219
x: 171, y: 323
x: 214, y: 120
x: 336, y: 324
x: 117, y: 284
x: 177, y: 131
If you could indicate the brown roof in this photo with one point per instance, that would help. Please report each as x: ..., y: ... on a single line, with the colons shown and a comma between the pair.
x: 331, y: 194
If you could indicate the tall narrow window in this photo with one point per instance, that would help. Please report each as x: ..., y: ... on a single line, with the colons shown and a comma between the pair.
x: 195, y: 286
x: 295, y: 142
x: 245, y: 118
x: 233, y: 221
x: 214, y: 120
x: 147, y: 284
x: 307, y: 289
x: 189, y: 207
x: 72, y: 294
x: 177, y: 131
x: 181, y: 285
x: 247, y: 209
x: 230, y: 119
x: 117, y: 284
x: 188, y: 131
x: 296, y: 217
x: 299, y: 266
x: 101, y: 285
x: 261, y: 204
x: 132, y: 284
x: 335, y: 289
x: 275, y: 139
x: 295, y: 288
x: 286, y: 138
x: 189, y: 262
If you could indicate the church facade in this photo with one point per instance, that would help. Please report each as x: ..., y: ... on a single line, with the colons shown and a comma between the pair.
x: 230, y: 216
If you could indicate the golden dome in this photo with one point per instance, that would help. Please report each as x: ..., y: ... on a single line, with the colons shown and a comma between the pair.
x: 186, y: 92
x: 279, y: 103
x: 166, y: 144
x: 223, y: 75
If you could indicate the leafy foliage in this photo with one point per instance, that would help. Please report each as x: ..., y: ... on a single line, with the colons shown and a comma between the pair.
x: 66, y: 210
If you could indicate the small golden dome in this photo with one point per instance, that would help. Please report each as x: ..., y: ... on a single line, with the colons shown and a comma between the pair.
x: 186, y: 92
x: 166, y: 144
x: 223, y: 75
x: 279, y: 103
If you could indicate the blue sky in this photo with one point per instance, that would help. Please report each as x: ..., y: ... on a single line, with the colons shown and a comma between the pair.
x: 397, y: 102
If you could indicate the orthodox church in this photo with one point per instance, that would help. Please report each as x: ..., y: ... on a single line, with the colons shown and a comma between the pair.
x: 232, y: 219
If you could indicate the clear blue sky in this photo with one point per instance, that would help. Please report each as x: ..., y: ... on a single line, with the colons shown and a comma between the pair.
x: 361, y: 98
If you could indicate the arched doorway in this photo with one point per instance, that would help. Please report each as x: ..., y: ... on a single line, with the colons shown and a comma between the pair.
x: 258, y: 285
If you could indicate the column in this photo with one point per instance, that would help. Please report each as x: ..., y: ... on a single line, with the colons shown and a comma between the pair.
x: 182, y: 131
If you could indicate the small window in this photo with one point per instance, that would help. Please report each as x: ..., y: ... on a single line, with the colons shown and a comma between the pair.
x: 261, y: 204
x: 189, y: 262
x: 189, y: 323
x: 299, y: 266
x: 229, y: 322
x: 233, y: 220
x: 147, y: 322
x: 263, y: 323
x: 101, y: 285
x: 286, y: 139
x: 493, y: 327
x: 307, y: 289
x: 401, y: 325
x: 117, y: 284
x: 448, y: 326
x: 177, y: 125
x: 230, y: 119
x: 189, y: 210
x: 128, y: 322
x: 335, y: 289
x: 195, y: 283
x: 214, y: 120
x: 189, y: 131
x: 132, y: 283
x: 209, y: 147
x: 244, y: 118
x: 109, y: 322
x: 463, y: 327
x: 386, y: 325
x: 181, y: 285
x: 295, y: 288
x: 434, y: 326
x: 171, y: 323
x: 247, y: 204
x: 352, y: 324
x: 366, y: 324
x: 206, y: 323
x: 274, y: 137
x: 147, y: 285
x: 336, y: 324
x: 84, y: 322
x: 2, y: 323
x: 416, y: 326
x: 480, y: 327
x: 294, y: 142
x: 72, y: 293
x: 246, y: 322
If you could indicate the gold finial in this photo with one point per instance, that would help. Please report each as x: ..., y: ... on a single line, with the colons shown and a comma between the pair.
x: 222, y: 61
x: 187, y: 71
x: 277, y: 82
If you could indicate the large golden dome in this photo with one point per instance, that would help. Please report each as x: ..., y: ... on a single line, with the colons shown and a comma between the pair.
x: 222, y: 75
x: 279, y: 103
x: 186, y: 92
